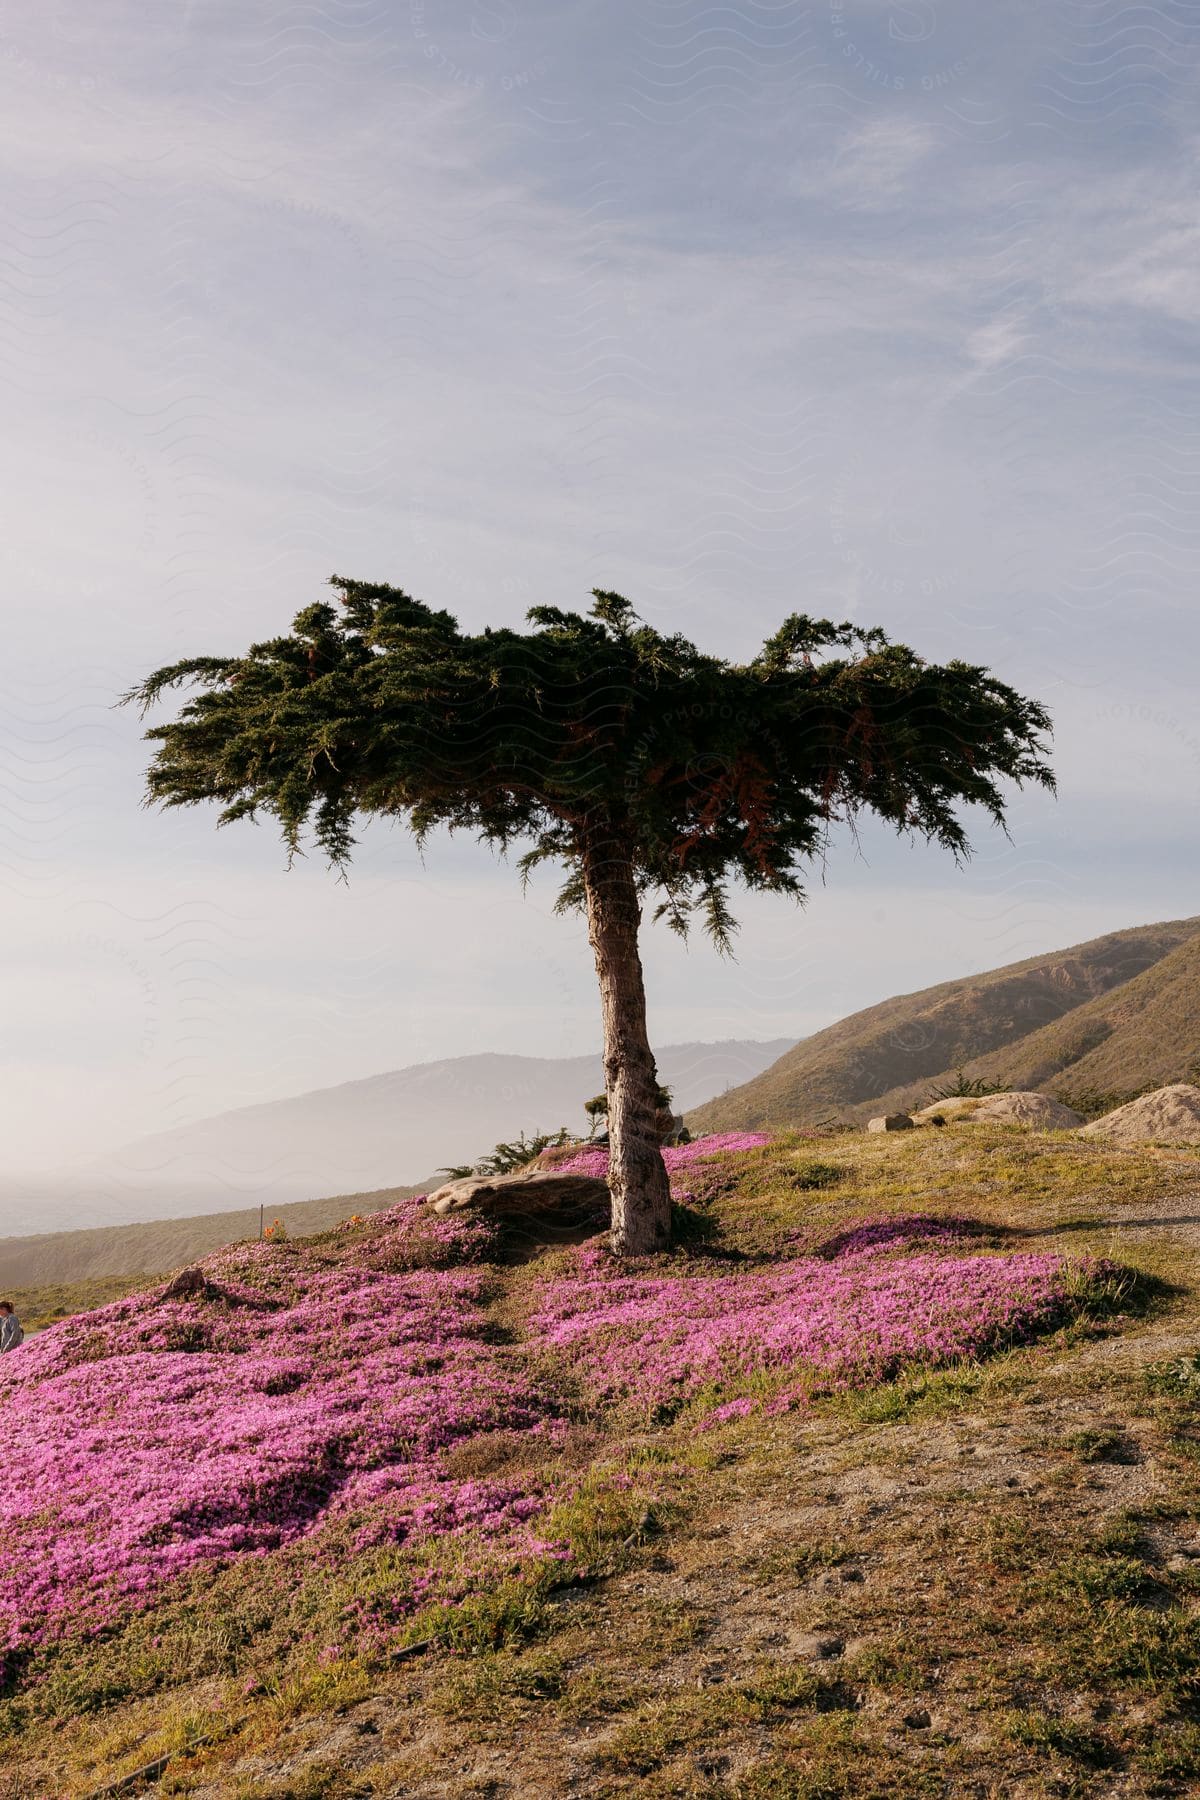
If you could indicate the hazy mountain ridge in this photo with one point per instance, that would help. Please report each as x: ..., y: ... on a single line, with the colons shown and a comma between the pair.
x: 399, y: 1125
x: 259, y: 1155
x: 383, y: 1132
x: 1009, y: 1024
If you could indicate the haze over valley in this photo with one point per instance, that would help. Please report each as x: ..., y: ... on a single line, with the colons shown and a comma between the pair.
x: 390, y: 1130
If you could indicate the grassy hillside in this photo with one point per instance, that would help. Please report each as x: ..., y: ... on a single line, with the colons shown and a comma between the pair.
x: 1142, y: 1035
x: 894, y: 1052
x: 54, y: 1258
x: 882, y: 1485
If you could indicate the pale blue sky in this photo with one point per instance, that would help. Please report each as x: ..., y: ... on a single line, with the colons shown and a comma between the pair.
x: 874, y: 310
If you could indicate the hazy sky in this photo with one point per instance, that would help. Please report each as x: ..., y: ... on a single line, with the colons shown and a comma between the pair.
x: 884, y: 311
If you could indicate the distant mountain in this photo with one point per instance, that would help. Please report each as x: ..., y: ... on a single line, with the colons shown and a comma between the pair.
x: 1071, y: 1017
x: 363, y: 1135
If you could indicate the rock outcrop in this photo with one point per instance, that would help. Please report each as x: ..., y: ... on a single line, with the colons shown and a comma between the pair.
x: 535, y: 1191
x: 189, y: 1284
x: 1038, y: 1111
x: 1169, y: 1115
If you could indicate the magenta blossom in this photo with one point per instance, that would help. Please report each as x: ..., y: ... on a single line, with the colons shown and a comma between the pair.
x: 317, y: 1395
x: 859, y: 1316
x: 676, y: 1156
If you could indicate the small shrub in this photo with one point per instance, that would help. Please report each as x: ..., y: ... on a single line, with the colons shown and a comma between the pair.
x: 967, y: 1087
x: 1180, y: 1376
x: 1041, y: 1731
x: 1155, y: 1652
x: 1102, y: 1578
x: 1123, y: 1535
x: 1094, y: 1103
x: 809, y: 1176
x: 490, y: 1686
x: 1175, y: 1752
x: 506, y: 1158
x: 319, y: 1781
x: 1092, y: 1446
x: 690, y: 1226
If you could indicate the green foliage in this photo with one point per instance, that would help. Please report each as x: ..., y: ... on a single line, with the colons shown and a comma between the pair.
x: 505, y: 1159
x: 1042, y: 1731
x: 1092, y: 1103
x: 46, y: 1303
x: 966, y: 1087
x: 597, y: 1107
x: 315, y: 1781
x: 808, y: 1177
x: 591, y: 724
x: 1095, y: 1444
x: 689, y: 1226
x: 522, y: 1151
x: 1176, y: 1752
x: 1179, y: 1376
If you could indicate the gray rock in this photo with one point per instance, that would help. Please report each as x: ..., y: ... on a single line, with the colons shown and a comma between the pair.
x: 891, y: 1122
x: 532, y: 1191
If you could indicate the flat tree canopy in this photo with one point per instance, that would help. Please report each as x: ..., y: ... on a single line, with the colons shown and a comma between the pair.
x: 644, y: 766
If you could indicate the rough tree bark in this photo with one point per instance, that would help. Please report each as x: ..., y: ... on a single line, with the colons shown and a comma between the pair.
x: 637, y: 1176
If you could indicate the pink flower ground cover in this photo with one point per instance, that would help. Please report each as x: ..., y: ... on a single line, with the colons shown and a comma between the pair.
x: 154, y: 1435
x: 676, y: 1156
x: 882, y: 1297
x: 330, y: 1384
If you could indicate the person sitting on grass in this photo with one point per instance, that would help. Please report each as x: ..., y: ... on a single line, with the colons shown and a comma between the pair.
x: 10, y: 1327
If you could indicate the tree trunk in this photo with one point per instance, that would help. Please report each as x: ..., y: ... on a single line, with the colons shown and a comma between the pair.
x: 637, y: 1175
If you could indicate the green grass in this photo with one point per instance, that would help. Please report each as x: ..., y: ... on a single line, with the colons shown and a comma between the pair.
x: 37, y: 1307
x: 1042, y: 1731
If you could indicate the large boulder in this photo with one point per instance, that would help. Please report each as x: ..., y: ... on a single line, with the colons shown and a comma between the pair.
x: 1170, y: 1115
x: 189, y: 1284
x: 1018, y: 1107
x: 890, y: 1122
x: 531, y: 1191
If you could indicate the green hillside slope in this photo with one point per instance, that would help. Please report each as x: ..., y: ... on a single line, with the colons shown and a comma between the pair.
x: 161, y: 1245
x: 892, y: 1053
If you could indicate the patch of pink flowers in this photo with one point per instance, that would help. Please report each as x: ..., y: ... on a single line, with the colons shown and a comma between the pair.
x: 155, y: 1435
x: 676, y: 1156
x: 892, y: 1232
x: 316, y: 1393
x: 410, y: 1235
x: 860, y: 1315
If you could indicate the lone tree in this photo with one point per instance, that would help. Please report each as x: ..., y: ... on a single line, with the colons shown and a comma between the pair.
x: 644, y: 766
